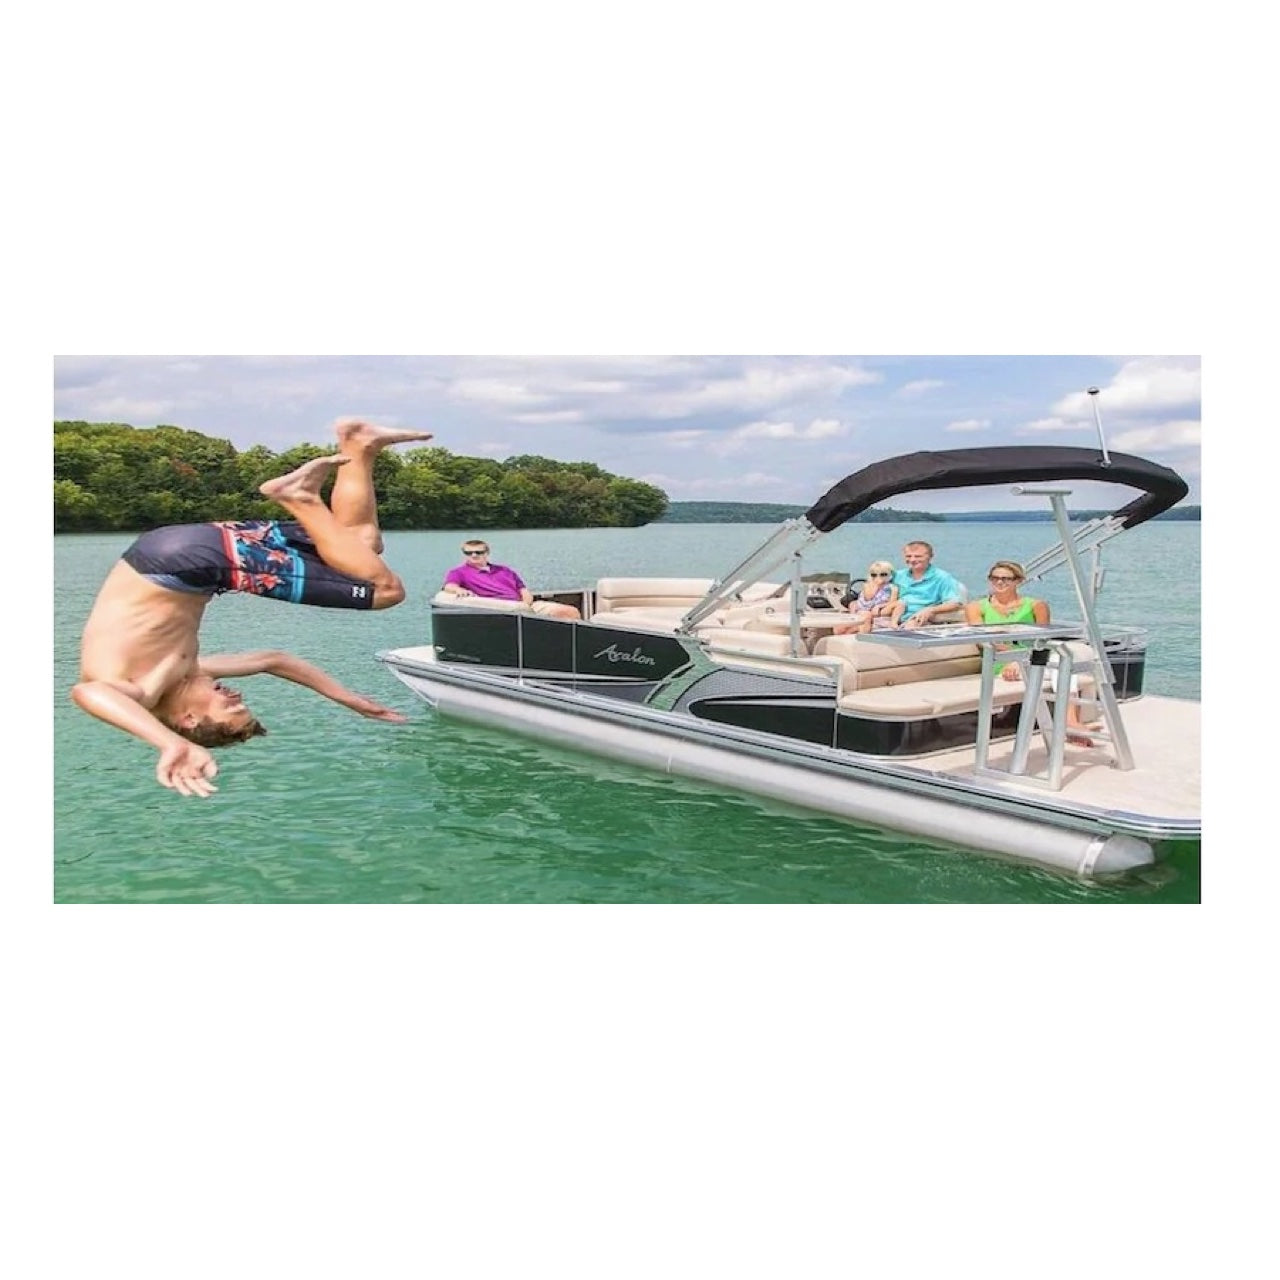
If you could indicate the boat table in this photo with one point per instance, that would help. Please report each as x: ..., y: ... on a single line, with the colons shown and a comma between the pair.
x: 1040, y: 645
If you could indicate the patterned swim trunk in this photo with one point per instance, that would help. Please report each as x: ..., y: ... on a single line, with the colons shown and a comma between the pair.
x: 263, y: 557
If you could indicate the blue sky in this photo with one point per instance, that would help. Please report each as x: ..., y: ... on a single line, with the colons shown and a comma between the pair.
x: 728, y: 428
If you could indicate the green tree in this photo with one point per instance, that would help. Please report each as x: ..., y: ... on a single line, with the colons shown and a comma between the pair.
x: 74, y: 510
x: 109, y: 475
x: 635, y: 502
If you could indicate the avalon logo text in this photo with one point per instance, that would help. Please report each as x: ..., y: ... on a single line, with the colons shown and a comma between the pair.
x: 614, y: 654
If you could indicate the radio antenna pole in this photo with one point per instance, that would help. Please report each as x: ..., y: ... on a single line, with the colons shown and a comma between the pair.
x: 1102, y: 440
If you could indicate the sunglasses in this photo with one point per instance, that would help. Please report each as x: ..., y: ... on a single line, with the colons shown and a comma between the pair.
x: 1001, y: 577
x: 880, y: 575
x: 475, y: 553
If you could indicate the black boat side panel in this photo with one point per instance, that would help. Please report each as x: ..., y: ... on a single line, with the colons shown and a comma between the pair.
x: 915, y: 737
x: 546, y: 645
x: 483, y: 639
x: 809, y: 720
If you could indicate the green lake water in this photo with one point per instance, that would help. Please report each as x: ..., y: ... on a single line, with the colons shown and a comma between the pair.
x: 333, y: 808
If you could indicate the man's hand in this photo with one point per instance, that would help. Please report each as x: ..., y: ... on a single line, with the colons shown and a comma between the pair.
x: 374, y: 710
x: 187, y: 769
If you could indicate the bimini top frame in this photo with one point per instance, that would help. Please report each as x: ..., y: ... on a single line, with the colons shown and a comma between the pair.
x: 1015, y: 465
x: 1011, y: 465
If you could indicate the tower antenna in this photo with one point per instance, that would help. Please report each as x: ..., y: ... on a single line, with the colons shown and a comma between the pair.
x: 1102, y: 440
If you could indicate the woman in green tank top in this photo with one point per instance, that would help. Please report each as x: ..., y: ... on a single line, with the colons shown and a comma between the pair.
x: 1005, y: 605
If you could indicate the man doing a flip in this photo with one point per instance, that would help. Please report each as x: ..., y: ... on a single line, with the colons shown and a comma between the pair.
x: 140, y: 668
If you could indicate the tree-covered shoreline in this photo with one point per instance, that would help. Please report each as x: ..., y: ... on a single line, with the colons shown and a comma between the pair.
x: 110, y: 476
x: 773, y: 513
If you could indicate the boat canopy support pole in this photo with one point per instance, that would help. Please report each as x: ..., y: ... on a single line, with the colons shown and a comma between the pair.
x: 790, y: 540
x: 1104, y: 677
x: 797, y: 599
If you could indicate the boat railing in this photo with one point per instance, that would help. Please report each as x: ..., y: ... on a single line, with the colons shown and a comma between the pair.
x: 782, y: 548
x: 1122, y: 637
x: 1087, y: 536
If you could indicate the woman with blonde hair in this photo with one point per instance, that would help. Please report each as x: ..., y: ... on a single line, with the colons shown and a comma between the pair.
x: 1005, y: 605
x: 876, y: 605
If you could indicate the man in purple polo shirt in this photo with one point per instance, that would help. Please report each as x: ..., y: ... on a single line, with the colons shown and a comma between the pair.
x: 476, y: 576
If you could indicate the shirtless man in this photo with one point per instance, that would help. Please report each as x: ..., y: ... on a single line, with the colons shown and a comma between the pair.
x: 139, y: 664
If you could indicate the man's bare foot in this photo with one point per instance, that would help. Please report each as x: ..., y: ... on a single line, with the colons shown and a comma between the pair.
x: 357, y: 435
x: 303, y: 484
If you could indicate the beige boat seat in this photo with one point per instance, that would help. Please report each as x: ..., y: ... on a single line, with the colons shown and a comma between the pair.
x: 658, y: 604
x: 479, y: 602
x: 878, y: 680
x: 866, y: 665
x: 738, y: 639
x: 495, y: 605
x: 945, y: 696
x: 656, y: 618
x: 613, y: 594
x: 763, y: 650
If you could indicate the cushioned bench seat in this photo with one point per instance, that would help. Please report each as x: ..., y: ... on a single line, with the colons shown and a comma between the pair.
x: 649, y: 593
x: 651, y: 619
x: 948, y: 696
x: 736, y: 639
x: 479, y: 602
x: 614, y: 594
x: 760, y: 615
x: 761, y: 650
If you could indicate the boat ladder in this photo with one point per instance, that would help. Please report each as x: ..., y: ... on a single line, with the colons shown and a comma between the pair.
x: 1037, y: 716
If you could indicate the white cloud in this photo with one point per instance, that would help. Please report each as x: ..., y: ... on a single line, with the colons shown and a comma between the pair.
x: 1158, y: 438
x: 824, y: 429
x: 493, y: 391
x: 638, y: 390
x: 969, y: 424
x: 818, y: 429
x: 919, y: 387
x: 121, y: 409
x: 550, y: 415
x: 1147, y: 385
x: 760, y: 387
x: 739, y: 438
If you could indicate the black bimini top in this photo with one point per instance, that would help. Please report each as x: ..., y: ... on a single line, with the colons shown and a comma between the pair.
x: 1009, y: 464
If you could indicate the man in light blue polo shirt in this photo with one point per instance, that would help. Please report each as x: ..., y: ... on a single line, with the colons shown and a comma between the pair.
x: 930, y: 594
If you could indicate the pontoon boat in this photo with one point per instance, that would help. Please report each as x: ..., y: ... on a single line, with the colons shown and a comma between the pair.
x: 739, y: 682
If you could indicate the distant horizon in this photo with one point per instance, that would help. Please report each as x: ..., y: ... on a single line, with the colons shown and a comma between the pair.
x: 1003, y: 515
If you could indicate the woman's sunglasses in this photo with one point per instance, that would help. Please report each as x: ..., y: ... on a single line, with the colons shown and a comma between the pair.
x: 1000, y: 577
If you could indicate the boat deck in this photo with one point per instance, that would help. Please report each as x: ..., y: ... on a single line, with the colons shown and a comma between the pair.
x: 1164, y: 736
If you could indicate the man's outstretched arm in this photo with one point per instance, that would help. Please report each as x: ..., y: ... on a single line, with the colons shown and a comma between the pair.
x: 183, y: 767
x: 275, y: 662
